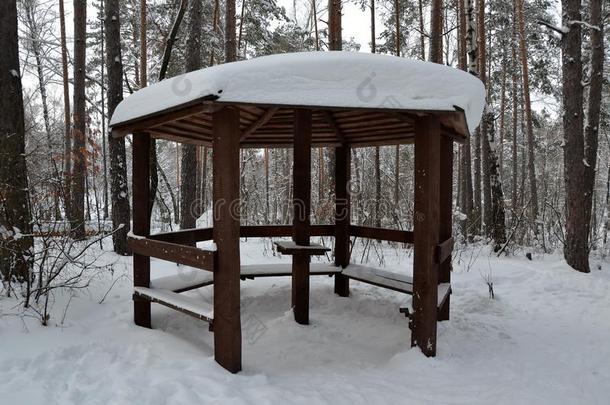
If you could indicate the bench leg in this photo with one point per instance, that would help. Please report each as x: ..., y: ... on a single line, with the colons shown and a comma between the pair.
x: 300, y: 288
x: 443, y: 310
x: 341, y: 285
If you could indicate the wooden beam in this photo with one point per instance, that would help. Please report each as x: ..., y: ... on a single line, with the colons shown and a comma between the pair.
x: 278, y: 231
x: 342, y: 215
x: 262, y: 120
x: 390, y: 235
x: 445, y: 222
x: 227, y: 323
x: 172, y: 252
x: 141, y: 221
x: 334, y: 125
x: 427, y: 219
x: 301, y: 195
x: 184, y: 236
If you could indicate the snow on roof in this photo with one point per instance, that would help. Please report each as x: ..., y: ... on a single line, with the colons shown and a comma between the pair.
x: 322, y: 79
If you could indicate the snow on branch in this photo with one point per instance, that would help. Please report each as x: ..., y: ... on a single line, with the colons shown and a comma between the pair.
x: 561, y: 30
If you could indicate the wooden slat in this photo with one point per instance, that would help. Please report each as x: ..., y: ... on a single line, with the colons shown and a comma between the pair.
x: 379, y: 278
x: 291, y: 248
x: 177, y: 302
x: 163, y: 117
x: 182, y: 254
x: 391, y: 235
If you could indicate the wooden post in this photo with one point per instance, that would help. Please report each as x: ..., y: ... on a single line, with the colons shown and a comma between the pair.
x: 301, y: 204
x: 445, y: 230
x: 426, y: 229
x: 342, y: 216
x: 227, y: 323
x: 141, y: 222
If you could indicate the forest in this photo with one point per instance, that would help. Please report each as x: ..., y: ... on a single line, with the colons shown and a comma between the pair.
x: 531, y: 185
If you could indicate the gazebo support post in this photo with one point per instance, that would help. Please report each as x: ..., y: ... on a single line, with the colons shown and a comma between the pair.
x: 342, y: 216
x: 227, y: 323
x: 446, y: 208
x: 141, y: 222
x: 426, y: 232
x: 301, y: 215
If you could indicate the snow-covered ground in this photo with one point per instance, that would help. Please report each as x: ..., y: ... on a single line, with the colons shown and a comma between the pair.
x: 544, y: 339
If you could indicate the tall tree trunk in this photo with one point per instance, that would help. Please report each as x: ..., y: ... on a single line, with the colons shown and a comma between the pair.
x: 473, y: 68
x: 119, y: 192
x: 576, y: 250
x: 466, y: 204
x: 77, y: 205
x: 397, y: 23
x: 188, y: 166
x: 55, y: 182
x: 16, y: 242
x: 335, y: 41
x: 422, y: 34
x: 373, y: 34
x: 436, y: 32
x: 230, y: 49
x: 103, y: 107
x: 594, y: 102
x: 67, y: 163
x: 171, y: 39
x: 531, y: 168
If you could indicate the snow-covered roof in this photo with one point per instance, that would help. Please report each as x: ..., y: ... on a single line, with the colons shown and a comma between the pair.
x: 317, y: 79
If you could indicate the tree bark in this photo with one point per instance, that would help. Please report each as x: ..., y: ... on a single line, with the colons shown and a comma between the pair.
x: 67, y: 161
x: 436, y: 32
x: 79, y: 145
x: 531, y: 168
x: 188, y: 167
x: 576, y: 250
x: 119, y: 191
x: 16, y: 243
x: 335, y: 41
x: 230, y: 49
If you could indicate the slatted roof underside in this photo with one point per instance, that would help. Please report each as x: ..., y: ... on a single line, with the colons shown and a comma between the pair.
x: 271, y: 126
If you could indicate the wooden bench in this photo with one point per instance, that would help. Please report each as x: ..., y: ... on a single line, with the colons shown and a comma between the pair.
x: 193, y: 279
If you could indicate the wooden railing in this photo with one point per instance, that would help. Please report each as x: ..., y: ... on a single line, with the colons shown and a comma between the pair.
x: 173, y: 252
x: 391, y: 235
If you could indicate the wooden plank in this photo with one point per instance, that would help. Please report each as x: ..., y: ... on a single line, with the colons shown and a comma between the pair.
x: 301, y: 195
x: 227, y: 323
x: 187, y: 305
x: 262, y: 120
x: 379, y: 278
x: 342, y: 216
x: 391, y: 235
x: 187, y: 280
x: 185, y: 236
x: 172, y: 252
x: 141, y: 221
x: 291, y: 248
x: 427, y: 220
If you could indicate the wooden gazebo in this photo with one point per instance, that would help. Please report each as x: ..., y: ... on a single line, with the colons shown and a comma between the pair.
x: 336, y: 99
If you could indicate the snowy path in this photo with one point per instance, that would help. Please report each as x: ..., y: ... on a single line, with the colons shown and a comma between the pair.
x: 545, y: 339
